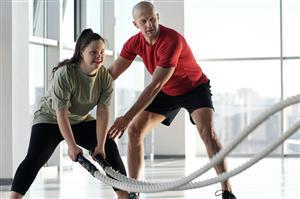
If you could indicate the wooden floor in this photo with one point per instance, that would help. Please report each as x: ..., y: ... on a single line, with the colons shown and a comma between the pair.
x: 271, y: 178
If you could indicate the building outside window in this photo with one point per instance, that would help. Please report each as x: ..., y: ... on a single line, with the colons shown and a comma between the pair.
x: 238, y: 45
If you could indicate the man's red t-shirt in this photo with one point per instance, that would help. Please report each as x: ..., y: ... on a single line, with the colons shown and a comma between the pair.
x: 170, y: 50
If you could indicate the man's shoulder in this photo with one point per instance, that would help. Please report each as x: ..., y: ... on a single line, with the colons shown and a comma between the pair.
x: 168, y: 30
x: 170, y: 34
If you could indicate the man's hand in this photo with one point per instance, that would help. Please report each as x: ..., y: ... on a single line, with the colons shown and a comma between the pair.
x: 119, y: 127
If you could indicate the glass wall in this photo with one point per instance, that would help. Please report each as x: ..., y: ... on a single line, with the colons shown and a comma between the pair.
x: 68, y: 21
x: 241, y: 91
x: 291, y: 88
x: 130, y: 84
x: 36, y: 75
x: 232, y: 28
x: 93, y: 15
x: 124, y: 26
x: 37, y: 23
x: 291, y: 47
x: 291, y: 28
x: 238, y: 45
x: 37, y: 17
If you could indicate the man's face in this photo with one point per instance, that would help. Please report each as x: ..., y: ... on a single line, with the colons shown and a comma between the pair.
x: 147, y: 21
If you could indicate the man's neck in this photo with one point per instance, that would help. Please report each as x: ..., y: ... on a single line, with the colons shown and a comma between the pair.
x: 152, y: 40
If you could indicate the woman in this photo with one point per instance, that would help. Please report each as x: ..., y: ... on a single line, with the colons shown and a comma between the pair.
x: 79, y: 84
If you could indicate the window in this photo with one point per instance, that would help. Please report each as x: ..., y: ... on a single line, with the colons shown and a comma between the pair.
x: 68, y: 22
x: 241, y: 91
x: 38, y: 18
x: 232, y: 28
x: 291, y: 88
x: 36, y: 75
x: 93, y: 12
x: 248, y: 32
x: 291, y: 28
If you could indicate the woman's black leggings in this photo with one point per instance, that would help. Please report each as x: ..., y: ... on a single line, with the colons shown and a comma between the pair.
x: 43, y: 141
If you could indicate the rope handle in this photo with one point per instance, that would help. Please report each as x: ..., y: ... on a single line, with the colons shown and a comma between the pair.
x: 87, y: 164
x: 102, y: 161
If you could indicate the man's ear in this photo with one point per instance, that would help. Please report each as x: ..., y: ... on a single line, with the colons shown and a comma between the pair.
x: 157, y: 15
x: 134, y: 23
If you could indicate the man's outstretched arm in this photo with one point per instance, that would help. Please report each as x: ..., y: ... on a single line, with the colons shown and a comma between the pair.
x: 118, y: 67
x: 160, y: 77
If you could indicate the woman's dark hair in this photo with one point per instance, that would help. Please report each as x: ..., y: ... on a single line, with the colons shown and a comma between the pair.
x: 85, y: 38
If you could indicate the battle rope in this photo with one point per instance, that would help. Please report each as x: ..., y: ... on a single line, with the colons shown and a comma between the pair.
x: 184, y: 183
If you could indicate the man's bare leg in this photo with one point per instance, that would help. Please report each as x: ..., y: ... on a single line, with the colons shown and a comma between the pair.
x: 137, y: 130
x: 203, y: 118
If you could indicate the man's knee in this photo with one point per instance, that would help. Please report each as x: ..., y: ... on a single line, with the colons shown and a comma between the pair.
x: 134, y: 133
x: 207, y: 134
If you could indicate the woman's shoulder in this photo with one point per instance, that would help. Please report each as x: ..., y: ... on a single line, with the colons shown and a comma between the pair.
x: 66, y: 72
x: 103, y: 70
x: 68, y: 69
x: 104, y: 74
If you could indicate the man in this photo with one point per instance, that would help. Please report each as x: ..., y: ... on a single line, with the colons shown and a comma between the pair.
x: 177, y: 81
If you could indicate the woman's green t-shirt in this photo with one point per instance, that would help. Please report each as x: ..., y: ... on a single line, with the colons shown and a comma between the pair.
x: 73, y: 90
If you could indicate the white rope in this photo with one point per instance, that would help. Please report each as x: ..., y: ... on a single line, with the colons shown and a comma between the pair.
x: 147, y: 187
x: 246, y: 165
x: 125, y: 183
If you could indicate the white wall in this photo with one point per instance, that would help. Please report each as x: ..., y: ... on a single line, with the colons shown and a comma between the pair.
x: 5, y: 91
x: 14, y: 100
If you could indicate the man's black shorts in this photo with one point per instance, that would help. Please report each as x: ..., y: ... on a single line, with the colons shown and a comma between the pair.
x: 169, y: 106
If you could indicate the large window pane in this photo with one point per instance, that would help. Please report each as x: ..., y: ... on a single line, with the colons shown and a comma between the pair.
x: 232, y: 28
x: 128, y: 87
x: 291, y: 27
x: 68, y: 21
x: 37, y: 18
x: 124, y: 27
x: 93, y: 18
x: 243, y: 90
x: 291, y: 88
x: 36, y: 75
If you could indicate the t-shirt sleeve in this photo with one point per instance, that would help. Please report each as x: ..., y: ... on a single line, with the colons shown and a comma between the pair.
x: 107, y: 89
x: 61, y: 91
x: 169, y: 52
x: 129, y: 49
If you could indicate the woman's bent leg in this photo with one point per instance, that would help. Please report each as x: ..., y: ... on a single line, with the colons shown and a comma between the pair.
x: 43, y: 141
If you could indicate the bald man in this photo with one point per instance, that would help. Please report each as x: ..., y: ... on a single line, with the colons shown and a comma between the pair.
x: 177, y: 82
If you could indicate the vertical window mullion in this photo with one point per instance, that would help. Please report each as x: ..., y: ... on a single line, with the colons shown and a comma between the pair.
x: 77, y: 18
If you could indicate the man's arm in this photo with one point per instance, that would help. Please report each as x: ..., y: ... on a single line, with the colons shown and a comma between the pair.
x: 160, y: 77
x: 118, y: 67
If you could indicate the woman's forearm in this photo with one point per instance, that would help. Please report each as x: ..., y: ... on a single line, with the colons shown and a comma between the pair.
x: 65, y: 127
x: 102, y: 124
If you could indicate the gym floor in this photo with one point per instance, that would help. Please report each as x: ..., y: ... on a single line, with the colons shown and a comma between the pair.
x: 271, y: 178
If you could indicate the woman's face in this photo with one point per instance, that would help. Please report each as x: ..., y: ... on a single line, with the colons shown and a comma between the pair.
x: 93, y: 55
